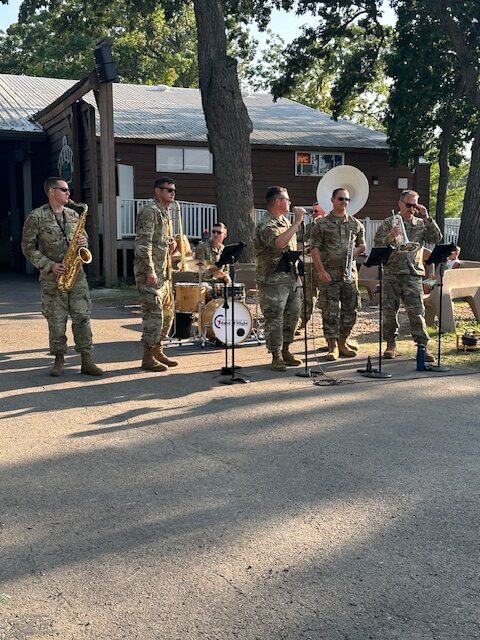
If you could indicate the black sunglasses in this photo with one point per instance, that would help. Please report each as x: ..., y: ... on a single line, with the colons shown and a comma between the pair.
x: 169, y: 189
x: 343, y: 199
x: 64, y: 189
x: 217, y: 231
x: 409, y: 205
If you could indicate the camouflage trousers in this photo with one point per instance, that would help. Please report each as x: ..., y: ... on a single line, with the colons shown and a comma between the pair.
x: 407, y: 289
x: 58, y: 305
x: 339, y: 302
x: 157, y: 312
x: 312, y: 284
x: 280, y: 305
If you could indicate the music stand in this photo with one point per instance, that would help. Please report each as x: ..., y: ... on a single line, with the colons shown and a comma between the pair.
x: 230, y: 255
x: 378, y: 256
x: 438, y: 257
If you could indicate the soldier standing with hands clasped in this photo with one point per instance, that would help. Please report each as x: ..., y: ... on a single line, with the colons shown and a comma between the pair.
x: 154, y: 245
x: 277, y: 279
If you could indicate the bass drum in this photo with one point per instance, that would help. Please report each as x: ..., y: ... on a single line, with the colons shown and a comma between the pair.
x: 215, y: 327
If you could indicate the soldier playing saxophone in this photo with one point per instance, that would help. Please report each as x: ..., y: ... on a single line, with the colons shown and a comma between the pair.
x: 47, y: 234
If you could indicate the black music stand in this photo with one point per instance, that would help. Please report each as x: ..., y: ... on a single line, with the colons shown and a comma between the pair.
x: 230, y: 255
x: 438, y: 257
x: 378, y: 256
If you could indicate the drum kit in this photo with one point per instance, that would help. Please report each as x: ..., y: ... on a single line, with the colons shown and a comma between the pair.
x: 201, y: 314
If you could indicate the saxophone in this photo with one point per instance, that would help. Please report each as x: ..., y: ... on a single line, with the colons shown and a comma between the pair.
x: 76, y: 256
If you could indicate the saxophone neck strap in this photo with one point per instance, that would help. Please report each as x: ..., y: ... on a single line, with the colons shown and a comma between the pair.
x: 62, y: 228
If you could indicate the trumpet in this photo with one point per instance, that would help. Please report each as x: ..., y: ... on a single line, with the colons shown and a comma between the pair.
x: 405, y: 244
x: 348, y: 272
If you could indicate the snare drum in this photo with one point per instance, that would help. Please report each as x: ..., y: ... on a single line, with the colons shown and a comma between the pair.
x: 238, y: 291
x: 215, y: 327
x: 188, y: 295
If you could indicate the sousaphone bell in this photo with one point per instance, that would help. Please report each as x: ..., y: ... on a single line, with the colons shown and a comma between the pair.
x: 349, y: 178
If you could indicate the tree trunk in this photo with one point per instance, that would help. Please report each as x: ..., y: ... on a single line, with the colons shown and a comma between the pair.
x: 469, y: 236
x: 228, y: 125
x: 444, y: 170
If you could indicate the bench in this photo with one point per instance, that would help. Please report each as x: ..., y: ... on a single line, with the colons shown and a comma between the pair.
x: 464, y: 284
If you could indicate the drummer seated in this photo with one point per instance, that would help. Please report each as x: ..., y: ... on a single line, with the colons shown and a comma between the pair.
x: 208, y: 253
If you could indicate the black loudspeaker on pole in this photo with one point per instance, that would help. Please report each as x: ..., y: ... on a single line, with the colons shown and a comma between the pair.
x: 105, y: 66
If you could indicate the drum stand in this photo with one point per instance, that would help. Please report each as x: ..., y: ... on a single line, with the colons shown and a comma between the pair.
x: 230, y: 255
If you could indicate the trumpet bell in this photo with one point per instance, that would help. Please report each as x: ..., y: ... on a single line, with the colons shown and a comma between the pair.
x: 352, y: 179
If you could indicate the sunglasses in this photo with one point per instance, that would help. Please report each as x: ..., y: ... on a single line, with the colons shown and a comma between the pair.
x: 409, y: 205
x: 169, y: 189
x: 217, y: 231
x: 64, y: 189
x: 343, y: 199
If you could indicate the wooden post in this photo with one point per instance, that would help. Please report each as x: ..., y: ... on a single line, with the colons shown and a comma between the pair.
x: 107, y: 172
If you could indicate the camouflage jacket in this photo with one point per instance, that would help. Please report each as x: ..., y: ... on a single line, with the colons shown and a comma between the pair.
x: 207, y: 253
x: 330, y: 236
x: 154, y: 226
x: 407, y: 259
x: 267, y: 255
x: 43, y: 241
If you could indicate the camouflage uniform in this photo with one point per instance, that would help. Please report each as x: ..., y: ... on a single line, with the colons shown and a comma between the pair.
x: 403, y: 275
x: 207, y: 253
x: 279, y: 293
x: 312, y: 282
x: 44, y: 244
x: 339, y: 299
x: 154, y: 227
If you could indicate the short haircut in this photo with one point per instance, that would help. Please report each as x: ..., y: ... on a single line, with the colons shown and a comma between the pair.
x: 52, y: 182
x: 335, y: 191
x: 274, y: 192
x: 219, y: 225
x: 409, y: 192
x: 162, y: 180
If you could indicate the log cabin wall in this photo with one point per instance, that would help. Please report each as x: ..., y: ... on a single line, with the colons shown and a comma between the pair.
x: 276, y: 165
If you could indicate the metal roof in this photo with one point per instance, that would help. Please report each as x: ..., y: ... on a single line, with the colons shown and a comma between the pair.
x: 170, y: 113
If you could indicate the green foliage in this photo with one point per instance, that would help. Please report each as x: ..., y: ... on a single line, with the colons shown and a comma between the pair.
x: 456, y: 188
x: 56, y: 39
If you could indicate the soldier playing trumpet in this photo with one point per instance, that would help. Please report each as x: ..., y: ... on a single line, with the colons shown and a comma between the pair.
x: 47, y: 234
x: 336, y: 238
x: 406, y: 232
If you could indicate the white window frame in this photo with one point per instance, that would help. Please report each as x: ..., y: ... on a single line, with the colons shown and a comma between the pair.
x: 316, y: 173
x: 183, y: 163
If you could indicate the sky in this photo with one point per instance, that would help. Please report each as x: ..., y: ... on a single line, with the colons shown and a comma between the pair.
x: 287, y: 26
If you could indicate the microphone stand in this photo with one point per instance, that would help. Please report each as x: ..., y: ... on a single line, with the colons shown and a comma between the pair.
x: 306, y: 372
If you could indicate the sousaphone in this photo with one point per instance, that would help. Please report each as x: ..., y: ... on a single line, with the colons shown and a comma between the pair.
x: 349, y: 178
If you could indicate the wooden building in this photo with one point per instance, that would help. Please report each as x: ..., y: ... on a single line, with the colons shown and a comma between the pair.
x: 49, y: 127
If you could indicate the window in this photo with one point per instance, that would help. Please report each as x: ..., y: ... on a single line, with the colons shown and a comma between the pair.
x: 184, y: 160
x: 309, y: 163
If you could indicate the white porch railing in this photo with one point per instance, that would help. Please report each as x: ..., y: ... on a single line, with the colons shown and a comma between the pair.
x: 197, y: 216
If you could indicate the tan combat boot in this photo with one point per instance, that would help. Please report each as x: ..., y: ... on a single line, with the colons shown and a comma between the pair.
x: 57, y: 369
x: 353, y: 344
x: 391, y: 350
x: 149, y: 362
x: 277, y: 362
x: 344, y: 349
x: 429, y: 357
x: 289, y: 358
x: 161, y: 357
x: 88, y: 366
x: 332, y: 349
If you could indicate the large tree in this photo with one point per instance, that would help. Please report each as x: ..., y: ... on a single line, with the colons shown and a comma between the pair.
x: 56, y: 39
